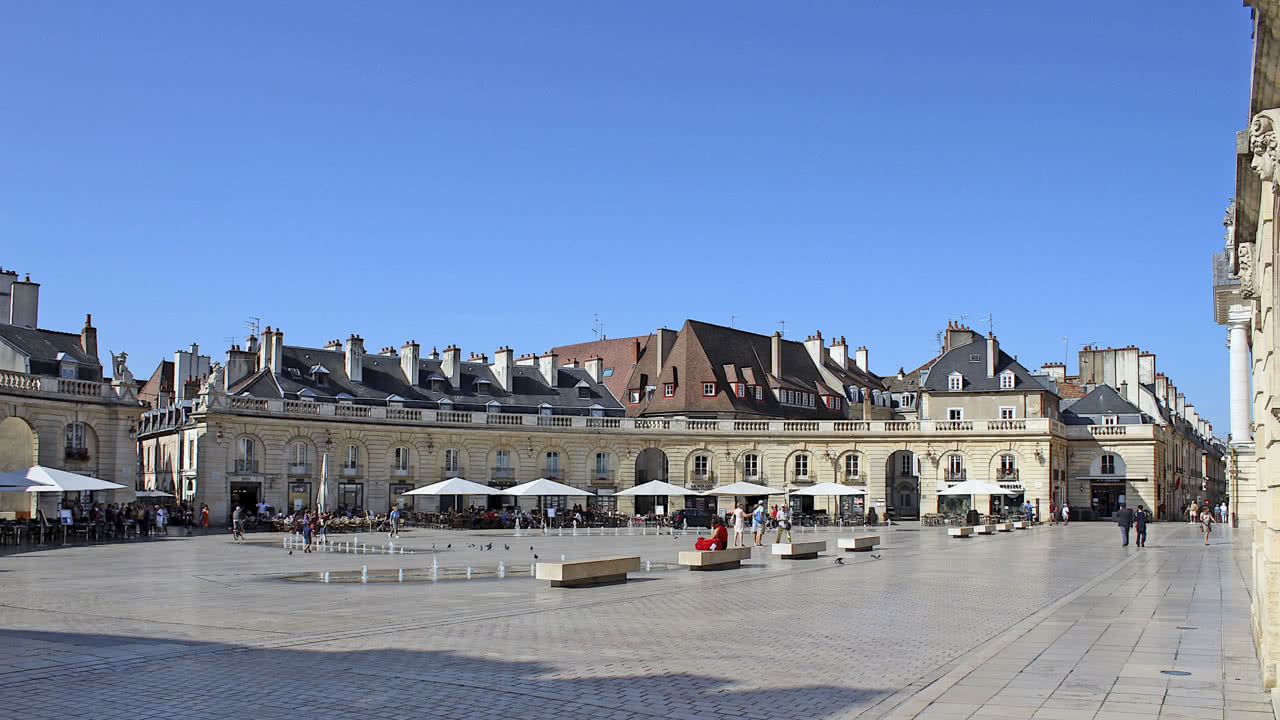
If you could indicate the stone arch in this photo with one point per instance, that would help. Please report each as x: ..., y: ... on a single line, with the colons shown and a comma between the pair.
x: 1095, y: 463
x: 609, y: 472
x: 19, y: 444
x: 902, y: 483
x: 543, y: 465
x: 251, y: 463
x: 691, y: 466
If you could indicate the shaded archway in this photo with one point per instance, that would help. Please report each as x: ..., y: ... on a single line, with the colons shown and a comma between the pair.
x: 902, y: 480
x: 651, y: 464
x: 18, y: 450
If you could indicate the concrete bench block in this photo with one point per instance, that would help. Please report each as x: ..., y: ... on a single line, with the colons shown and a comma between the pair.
x: 587, y: 572
x: 715, y: 559
x: 1021, y: 525
x: 1004, y: 527
x: 799, y: 550
x: 984, y: 529
x: 861, y: 543
x: 960, y: 532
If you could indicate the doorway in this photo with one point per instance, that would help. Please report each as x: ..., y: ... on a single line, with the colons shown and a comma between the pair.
x: 246, y: 497
x: 299, y: 496
x: 1106, y: 498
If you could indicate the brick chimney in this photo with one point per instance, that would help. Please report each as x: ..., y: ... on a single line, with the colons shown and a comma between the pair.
x: 814, y: 346
x: 410, y: 357
x: 840, y: 352
x: 89, y: 337
x: 665, y: 340
x: 451, y: 366
x: 860, y: 360
x: 503, y: 363
x: 548, y: 368
x: 635, y: 351
x: 355, y: 358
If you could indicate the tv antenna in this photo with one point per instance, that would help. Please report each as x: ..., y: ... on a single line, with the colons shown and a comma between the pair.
x: 253, y: 323
x: 1066, y: 347
x: 230, y: 340
x: 991, y: 323
x: 782, y: 328
x: 731, y: 319
x: 595, y: 325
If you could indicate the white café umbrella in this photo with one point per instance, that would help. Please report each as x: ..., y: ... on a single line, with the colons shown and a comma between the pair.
x: 45, y: 479
x: 459, y: 487
x: 323, y: 496
x: 658, y: 487
x: 153, y: 494
x: 744, y: 489
x: 975, y: 487
x: 543, y: 487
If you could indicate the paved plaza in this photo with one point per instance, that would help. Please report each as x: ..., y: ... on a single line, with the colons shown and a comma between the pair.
x: 1048, y: 623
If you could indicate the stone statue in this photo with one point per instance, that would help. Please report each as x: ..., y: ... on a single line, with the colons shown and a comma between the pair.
x: 120, y: 374
x: 213, y: 383
x: 1262, y: 143
x: 1246, y: 262
x: 1229, y: 222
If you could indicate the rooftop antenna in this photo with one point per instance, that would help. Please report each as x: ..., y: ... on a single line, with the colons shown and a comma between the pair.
x: 937, y: 338
x: 731, y: 319
x: 595, y: 325
x: 230, y: 340
x: 253, y: 323
x: 1066, y: 347
x: 782, y: 328
x: 991, y: 323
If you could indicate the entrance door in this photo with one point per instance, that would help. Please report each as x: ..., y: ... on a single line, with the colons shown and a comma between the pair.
x: 396, y: 498
x: 299, y: 496
x: 1107, y: 498
x: 246, y: 497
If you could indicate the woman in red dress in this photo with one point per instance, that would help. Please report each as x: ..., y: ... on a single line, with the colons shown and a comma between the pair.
x: 719, y: 539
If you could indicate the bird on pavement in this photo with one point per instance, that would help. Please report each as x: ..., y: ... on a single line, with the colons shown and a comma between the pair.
x: 450, y: 545
x: 875, y: 557
x: 506, y: 546
x: 290, y: 552
x: 535, y: 556
x: 489, y: 546
x: 839, y: 561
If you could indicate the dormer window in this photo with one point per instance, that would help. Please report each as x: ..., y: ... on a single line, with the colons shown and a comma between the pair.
x: 1110, y: 420
x: 493, y: 406
x: 345, y: 398
x: 544, y: 409
x: 319, y: 374
x: 975, y: 357
x: 708, y: 389
x: 634, y: 397
x: 445, y: 404
x: 584, y: 389
x: 482, y: 386
x: 1006, y: 380
x: 955, y: 381
x: 669, y: 390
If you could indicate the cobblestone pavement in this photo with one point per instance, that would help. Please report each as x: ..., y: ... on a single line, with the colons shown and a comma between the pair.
x: 1048, y: 623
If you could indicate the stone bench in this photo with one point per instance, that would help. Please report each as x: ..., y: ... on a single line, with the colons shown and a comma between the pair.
x: 583, y: 573
x: 861, y: 543
x: 799, y: 550
x: 984, y: 529
x: 1021, y: 525
x: 960, y: 532
x: 1004, y: 527
x: 715, y: 559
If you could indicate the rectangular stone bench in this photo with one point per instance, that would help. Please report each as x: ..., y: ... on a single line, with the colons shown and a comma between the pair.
x: 960, y: 532
x: 715, y: 559
x: 984, y: 529
x: 861, y: 543
x: 1004, y: 527
x: 1021, y: 525
x: 582, y: 573
x: 799, y: 550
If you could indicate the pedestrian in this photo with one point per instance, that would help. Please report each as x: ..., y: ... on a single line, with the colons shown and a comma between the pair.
x: 784, y: 523
x: 306, y: 533
x: 395, y: 522
x: 1066, y: 514
x: 237, y: 524
x: 739, y: 519
x: 1206, y: 521
x: 1053, y: 513
x: 1124, y: 519
x: 204, y: 518
x: 1140, y: 526
x: 1191, y: 514
x: 757, y: 525
x: 1030, y: 511
x: 1223, y: 515
x: 872, y: 519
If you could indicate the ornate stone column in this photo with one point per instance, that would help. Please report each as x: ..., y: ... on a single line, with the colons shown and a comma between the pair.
x: 1238, y: 343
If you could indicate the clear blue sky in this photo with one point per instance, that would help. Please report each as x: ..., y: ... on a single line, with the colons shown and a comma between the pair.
x: 494, y: 173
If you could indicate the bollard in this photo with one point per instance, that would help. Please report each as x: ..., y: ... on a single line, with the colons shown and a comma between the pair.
x: 561, y: 557
x: 326, y: 576
x: 434, y: 568
x: 648, y: 565
x: 502, y: 569
x: 364, y: 573
x: 401, y: 549
x: 468, y: 572
x: 286, y: 541
x: 401, y: 574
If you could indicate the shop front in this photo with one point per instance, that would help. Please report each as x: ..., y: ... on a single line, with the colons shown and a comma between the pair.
x: 396, y: 496
x: 299, y: 497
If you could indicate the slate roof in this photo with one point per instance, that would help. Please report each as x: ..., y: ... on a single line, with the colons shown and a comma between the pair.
x: 42, y: 347
x: 975, y: 371
x: 1103, y: 400
x: 384, y: 379
x: 617, y: 353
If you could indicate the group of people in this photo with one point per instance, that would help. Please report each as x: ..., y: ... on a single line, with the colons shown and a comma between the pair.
x: 1206, y: 516
x: 1194, y: 511
x: 140, y: 519
x: 779, y: 516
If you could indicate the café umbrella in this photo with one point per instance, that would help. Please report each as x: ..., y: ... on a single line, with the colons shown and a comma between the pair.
x: 829, y: 489
x: 976, y: 487
x: 457, y: 487
x: 543, y: 487
x: 38, y: 478
x: 658, y: 488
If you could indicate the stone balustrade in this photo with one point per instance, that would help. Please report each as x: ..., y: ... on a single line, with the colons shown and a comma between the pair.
x: 51, y: 385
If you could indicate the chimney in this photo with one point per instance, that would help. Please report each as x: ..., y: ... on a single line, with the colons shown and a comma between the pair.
x: 548, y: 368
x: 1128, y: 372
x: 410, y: 357
x: 1147, y: 368
x: 7, y: 279
x: 595, y: 368
x: 530, y: 360
x: 277, y: 351
x: 1055, y: 371
x: 435, y: 354
x: 840, y: 353
x: 775, y: 367
x: 958, y: 336
x: 388, y: 351
x: 24, y: 303
x: 264, y: 351
x: 89, y: 338
x: 503, y: 362
x: 451, y: 366
x: 334, y: 345
x: 665, y: 340
x: 1124, y: 390
x: 189, y: 367
x: 860, y: 359
x: 355, y: 358
x: 240, y: 364
x: 1162, y: 388
x: 813, y: 344
x: 1182, y: 405
x: 993, y: 355
x: 902, y: 373
x: 635, y: 351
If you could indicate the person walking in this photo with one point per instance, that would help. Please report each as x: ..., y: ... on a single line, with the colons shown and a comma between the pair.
x: 306, y: 533
x: 394, y: 532
x: 1030, y: 511
x: 757, y: 524
x: 1053, y: 513
x: 1140, y: 526
x: 1206, y: 522
x: 1124, y: 519
x: 739, y: 518
x: 204, y: 518
x: 784, y: 524
x: 1191, y: 514
x: 237, y: 524
x: 1066, y: 514
x: 1223, y: 515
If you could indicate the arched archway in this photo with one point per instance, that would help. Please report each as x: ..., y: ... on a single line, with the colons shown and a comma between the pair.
x: 19, y: 449
x: 902, y: 478
x: 651, y: 464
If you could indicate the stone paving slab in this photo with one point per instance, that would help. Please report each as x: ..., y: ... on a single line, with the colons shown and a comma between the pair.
x: 1057, y: 623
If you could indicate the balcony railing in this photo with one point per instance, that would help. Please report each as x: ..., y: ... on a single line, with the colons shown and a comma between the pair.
x: 447, y: 472
x: 502, y: 473
x: 1007, y: 475
x: 349, y: 470
x: 857, y: 479
x: 955, y: 475
x: 798, y: 478
x: 397, y: 471
x: 553, y: 473
x: 77, y: 454
x: 246, y: 466
x: 299, y: 469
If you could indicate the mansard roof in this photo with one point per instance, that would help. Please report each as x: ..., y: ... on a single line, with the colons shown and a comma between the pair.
x: 971, y: 362
x: 46, y: 345
x: 1102, y: 401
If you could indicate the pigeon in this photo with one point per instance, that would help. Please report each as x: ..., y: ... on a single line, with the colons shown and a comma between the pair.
x: 875, y: 557
x: 489, y: 546
x: 506, y: 546
x: 535, y: 556
x: 530, y: 548
x: 839, y: 561
x: 450, y: 545
x: 290, y: 552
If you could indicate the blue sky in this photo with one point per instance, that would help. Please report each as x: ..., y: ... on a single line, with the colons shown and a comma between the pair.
x: 494, y: 173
